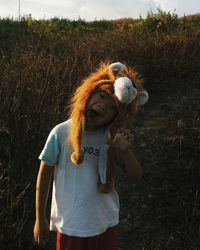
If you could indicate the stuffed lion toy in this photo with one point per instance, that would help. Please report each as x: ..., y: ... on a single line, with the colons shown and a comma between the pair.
x: 126, y: 88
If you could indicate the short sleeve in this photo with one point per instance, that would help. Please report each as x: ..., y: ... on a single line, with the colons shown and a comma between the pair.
x: 51, y: 151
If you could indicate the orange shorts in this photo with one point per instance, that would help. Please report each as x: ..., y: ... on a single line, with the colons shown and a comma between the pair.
x: 105, y: 241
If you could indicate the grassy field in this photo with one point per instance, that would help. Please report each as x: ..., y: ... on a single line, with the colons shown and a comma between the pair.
x: 43, y: 61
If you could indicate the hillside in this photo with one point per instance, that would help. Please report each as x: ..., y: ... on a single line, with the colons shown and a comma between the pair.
x: 42, y: 62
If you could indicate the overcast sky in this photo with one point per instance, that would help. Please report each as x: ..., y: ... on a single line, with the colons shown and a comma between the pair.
x: 95, y: 9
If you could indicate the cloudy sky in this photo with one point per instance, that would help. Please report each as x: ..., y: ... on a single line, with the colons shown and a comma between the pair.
x: 95, y: 9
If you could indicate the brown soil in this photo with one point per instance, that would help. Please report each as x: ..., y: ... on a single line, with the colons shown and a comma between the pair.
x: 161, y: 211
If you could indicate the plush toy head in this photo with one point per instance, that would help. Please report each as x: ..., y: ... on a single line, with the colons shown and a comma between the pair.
x: 118, y: 81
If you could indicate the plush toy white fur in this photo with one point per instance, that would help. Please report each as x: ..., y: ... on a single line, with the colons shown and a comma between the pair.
x: 124, y: 90
x: 143, y: 97
x: 117, y: 66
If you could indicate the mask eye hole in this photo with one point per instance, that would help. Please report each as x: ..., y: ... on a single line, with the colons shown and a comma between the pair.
x: 134, y: 85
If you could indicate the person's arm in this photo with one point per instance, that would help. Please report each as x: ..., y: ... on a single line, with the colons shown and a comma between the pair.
x: 44, y: 178
x: 132, y: 166
x: 122, y: 142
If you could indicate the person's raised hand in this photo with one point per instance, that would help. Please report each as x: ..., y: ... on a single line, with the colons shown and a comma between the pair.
x: 122, y: 140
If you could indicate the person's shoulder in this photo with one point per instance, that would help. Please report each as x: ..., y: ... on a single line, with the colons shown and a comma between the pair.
x: 62, y: 127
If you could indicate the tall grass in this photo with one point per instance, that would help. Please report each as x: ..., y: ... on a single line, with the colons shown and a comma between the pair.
x: 42, y: 62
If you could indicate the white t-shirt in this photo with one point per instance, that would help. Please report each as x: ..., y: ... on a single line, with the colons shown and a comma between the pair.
x: 78, y: 208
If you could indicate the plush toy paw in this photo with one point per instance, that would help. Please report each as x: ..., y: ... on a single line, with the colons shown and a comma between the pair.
x: 77, y: 158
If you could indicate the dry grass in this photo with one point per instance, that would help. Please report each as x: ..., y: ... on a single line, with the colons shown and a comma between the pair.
x: 38, y: 73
